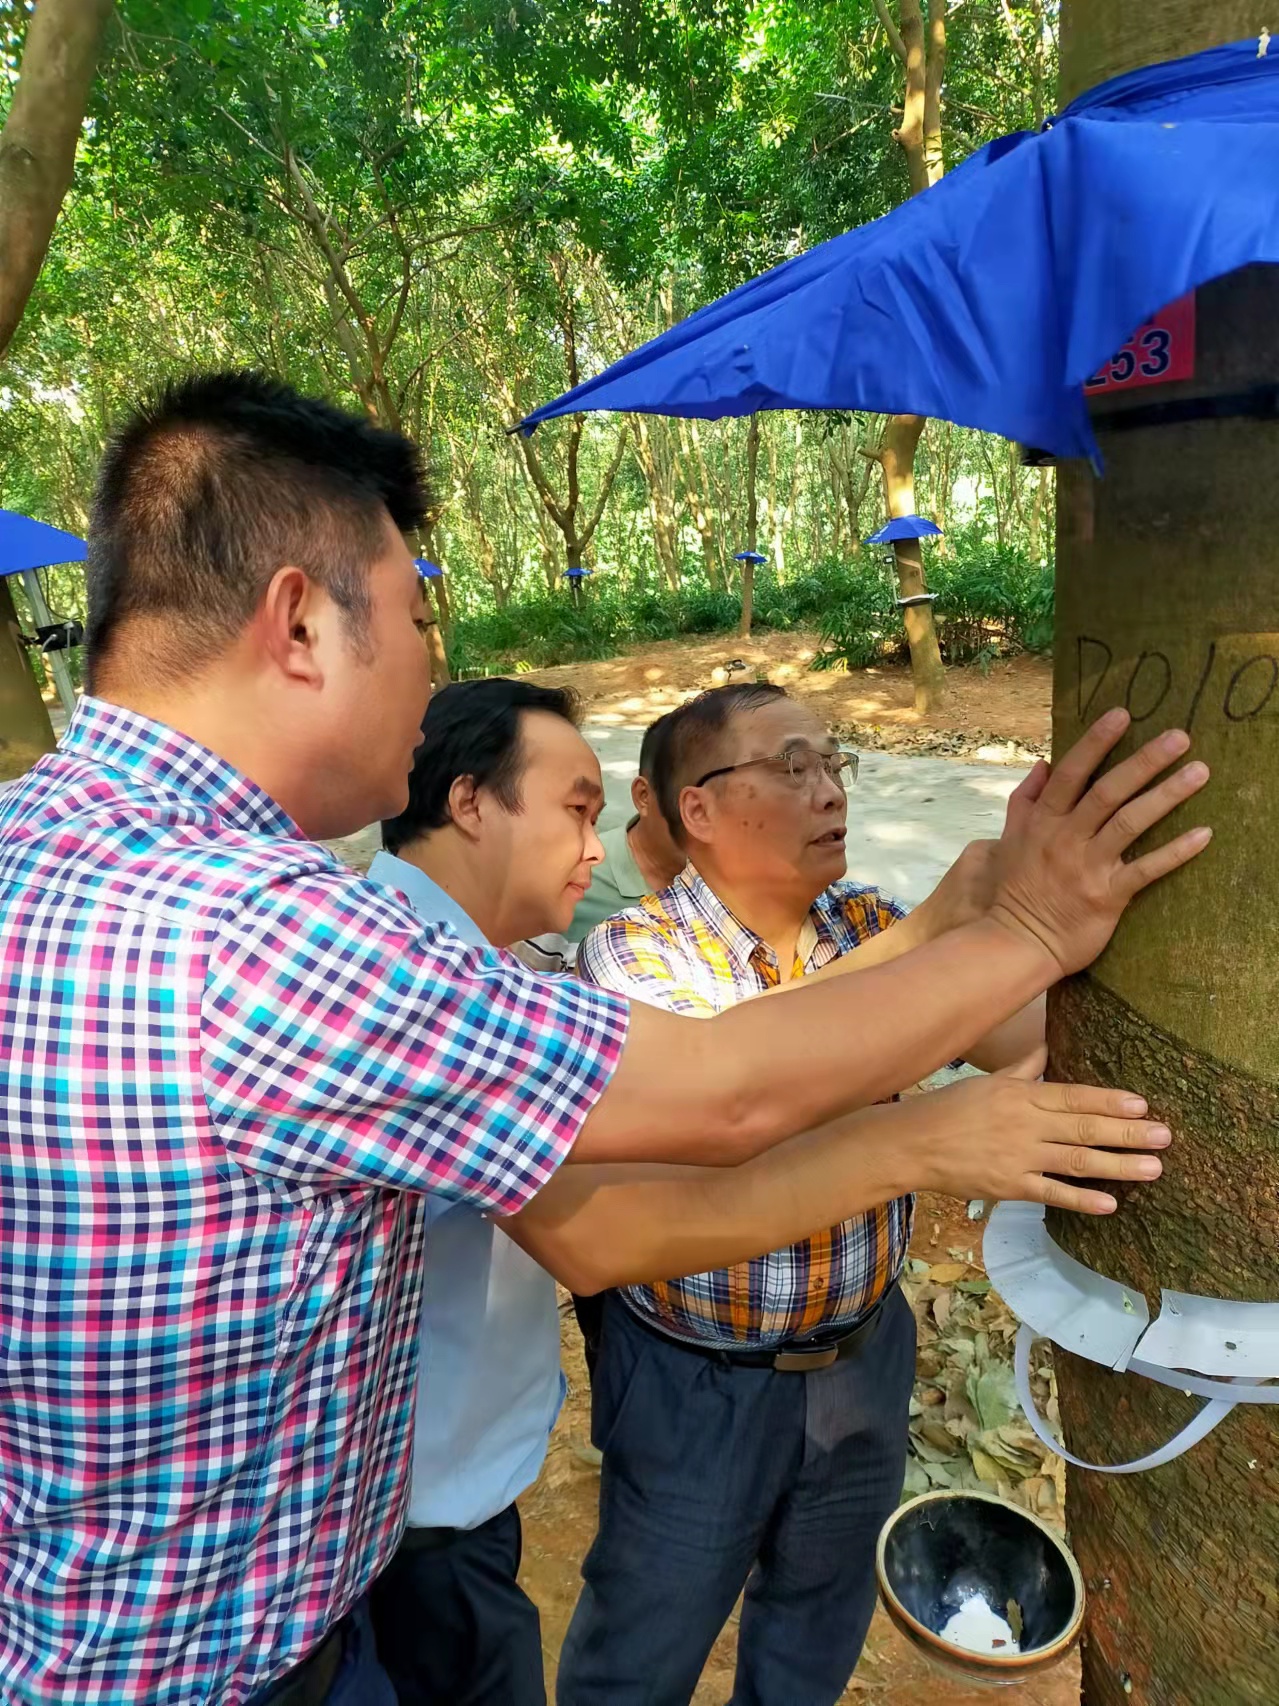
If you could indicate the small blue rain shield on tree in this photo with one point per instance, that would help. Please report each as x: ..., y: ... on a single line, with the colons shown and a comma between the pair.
x: 27, y: 544
x: 993, y: 297
x: 577, y: 574
x: 904, y: 527
x: 749, y: 557
x: 428, y: 570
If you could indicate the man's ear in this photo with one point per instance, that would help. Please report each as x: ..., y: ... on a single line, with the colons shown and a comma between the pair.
x: 641, y: 795
x: 288, y: 625
x: 695, y: 814
x: 464, y: 806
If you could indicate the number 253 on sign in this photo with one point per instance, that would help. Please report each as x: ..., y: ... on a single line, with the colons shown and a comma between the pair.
x: 1161, y: 350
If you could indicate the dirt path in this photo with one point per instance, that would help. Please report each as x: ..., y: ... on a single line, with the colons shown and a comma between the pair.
x: 1008, y: 703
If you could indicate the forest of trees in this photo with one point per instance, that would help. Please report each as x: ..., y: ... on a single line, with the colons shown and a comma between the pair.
x: 445, y: 213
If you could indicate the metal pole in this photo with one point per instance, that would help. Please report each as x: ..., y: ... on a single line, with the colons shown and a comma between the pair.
x: 56, y: 661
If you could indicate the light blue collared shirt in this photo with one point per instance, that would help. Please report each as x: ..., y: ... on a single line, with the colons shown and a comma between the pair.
x: 489, y: 1380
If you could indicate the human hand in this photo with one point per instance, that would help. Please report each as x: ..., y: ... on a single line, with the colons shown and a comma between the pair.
x: 1002, y: 1137
x: 967, y: 891
x: 1063, y: 878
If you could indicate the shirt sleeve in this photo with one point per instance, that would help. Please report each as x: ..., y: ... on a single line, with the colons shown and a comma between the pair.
x: 344, y: 1042
x: 634, y: 958
x: 868, y: 912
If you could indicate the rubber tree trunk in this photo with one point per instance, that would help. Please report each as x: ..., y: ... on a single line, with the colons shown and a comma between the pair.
x: 436, y: 601
x: 39, y: 140
x: 1166, y: 602
x: 897, y: 458
x: 752, y: 527
x: 25, y: 729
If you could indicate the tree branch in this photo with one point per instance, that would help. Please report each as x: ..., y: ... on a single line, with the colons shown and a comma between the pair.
x: 538, y: 477
x: 605, y: 489
x: 890, y: 29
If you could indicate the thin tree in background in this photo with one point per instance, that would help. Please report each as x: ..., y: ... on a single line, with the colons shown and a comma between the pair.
x: 37, y: 161
x: 923, y: 57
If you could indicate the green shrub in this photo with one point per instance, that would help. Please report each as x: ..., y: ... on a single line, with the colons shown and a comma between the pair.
x: 990, y: 596
x: 991, y: 599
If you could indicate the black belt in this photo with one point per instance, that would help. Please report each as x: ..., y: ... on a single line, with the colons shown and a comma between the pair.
x: 795, y: 1356
x: 308, y: 1683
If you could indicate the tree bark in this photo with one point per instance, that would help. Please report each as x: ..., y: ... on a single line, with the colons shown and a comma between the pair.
x: 697, y: 489
x: 752, y: 526
x: 896, y: 456
x: 1165, y: 603
x: 920, y: 44
x: 37, y: 160
x: 38, y: 143
x: 25, y: 729
x: 658, y: 475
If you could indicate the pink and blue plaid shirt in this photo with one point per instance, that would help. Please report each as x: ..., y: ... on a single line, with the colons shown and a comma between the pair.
x: 226, y: 1065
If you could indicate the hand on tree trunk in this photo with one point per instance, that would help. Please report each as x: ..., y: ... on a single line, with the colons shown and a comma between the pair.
x: 1001, y: 1137
x: 1066, y: 878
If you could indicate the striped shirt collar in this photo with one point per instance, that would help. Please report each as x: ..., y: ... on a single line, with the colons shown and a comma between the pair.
x: 111, y: 737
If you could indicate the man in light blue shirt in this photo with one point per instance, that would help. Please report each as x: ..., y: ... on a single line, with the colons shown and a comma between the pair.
x: 489, y: 1384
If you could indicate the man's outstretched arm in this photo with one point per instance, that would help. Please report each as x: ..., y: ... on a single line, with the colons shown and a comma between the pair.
x: 594, y: 1226
x: 722, y: 1089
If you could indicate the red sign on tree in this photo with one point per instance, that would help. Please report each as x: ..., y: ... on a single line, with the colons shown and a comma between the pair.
x: 1161, y: 350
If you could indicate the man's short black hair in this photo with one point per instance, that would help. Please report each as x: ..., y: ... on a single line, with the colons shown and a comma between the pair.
x: 693, y: 742
x: 653, y: 745
x: 218, y: 481
x: 472, y: 728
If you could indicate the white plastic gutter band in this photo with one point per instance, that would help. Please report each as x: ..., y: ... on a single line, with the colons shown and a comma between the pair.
x: 1055, y: 1297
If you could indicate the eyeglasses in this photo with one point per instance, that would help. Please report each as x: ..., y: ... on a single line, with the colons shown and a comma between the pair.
x: 801, y: 766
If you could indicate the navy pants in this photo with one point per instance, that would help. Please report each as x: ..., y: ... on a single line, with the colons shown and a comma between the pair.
x: 718, y: 1477
x: 454, y: 1627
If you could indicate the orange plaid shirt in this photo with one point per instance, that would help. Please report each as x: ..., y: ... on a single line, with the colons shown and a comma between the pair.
x: 685, y: 951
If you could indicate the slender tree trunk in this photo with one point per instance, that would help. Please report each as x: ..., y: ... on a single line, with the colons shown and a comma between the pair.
x: 38, y: 142
x: 920, y: 45
x: 1165, y: 602
x: 698, y: 489
x: 436, y: 636
x: 752, y: 526
x: 896, y: 456
x: 661, y: 506
x: 37, y: 160
x: 25, y: 729
x: 441, y: 674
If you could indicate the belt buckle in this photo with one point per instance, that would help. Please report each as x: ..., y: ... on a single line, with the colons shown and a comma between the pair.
x: 804, y: 1362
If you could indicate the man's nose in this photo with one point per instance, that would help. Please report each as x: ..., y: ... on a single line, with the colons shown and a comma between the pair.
x: 830, y: 794
x: 593, y: 852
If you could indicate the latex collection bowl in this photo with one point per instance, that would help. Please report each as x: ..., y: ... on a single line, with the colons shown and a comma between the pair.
x: 942, y: 1549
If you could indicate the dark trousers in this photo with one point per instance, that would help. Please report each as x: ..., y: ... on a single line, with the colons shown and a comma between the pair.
x: 590, y: 1319
x: 719, y: 1477
x: 454, y: 1627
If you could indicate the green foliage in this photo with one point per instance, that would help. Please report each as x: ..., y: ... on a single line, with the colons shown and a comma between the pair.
x: 862, y: 626
x: 990, y: 591
x: 445, y: 214
x: 992, y: 600
x: 990, y: 594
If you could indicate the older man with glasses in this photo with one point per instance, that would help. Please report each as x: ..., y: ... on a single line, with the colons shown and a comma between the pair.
x: 753, y: 1420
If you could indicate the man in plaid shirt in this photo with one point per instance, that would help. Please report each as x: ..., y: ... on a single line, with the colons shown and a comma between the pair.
x: 230, y: 1069
x: 753, y: 1419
